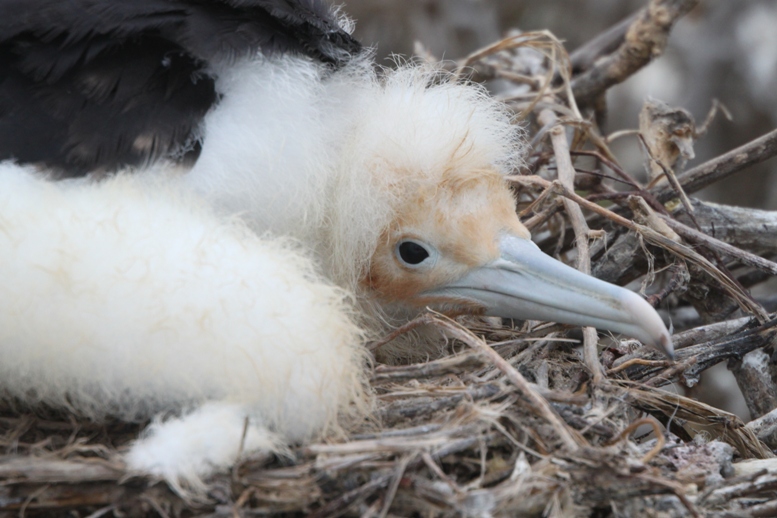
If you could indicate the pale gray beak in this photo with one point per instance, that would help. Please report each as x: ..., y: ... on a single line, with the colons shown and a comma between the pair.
x: 525, y: 283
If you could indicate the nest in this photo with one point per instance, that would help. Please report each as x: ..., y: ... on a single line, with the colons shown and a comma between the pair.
x: 508, y: 423
x: 520, y: 419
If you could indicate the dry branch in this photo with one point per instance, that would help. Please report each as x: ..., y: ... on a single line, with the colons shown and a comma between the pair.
x: 755, y: 381
x: 669, y: 406
x: 711, y: 332
x: 736, y: 253
x: 645, y: 40
x: 750, y: 229
x: 754, y: 152
x: 566, y: 175
x: 765, y: 427
x: 705, y: 355
x: 605, y: 43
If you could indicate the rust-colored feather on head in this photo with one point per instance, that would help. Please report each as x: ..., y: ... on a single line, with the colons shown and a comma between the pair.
x: 419, y: 140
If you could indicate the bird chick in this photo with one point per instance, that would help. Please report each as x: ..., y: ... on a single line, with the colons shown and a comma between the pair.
x: 157, y: 297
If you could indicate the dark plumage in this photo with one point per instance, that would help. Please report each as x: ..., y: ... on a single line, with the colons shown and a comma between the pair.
x: 94, y: 85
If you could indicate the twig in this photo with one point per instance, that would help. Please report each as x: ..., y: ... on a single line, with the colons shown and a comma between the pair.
x: 155, y: 505
x: 30, y: 498
x: 107, y: 509
x: 678, y: 281
x: 767, y: 482
x: 399, y: 472
x: 422, y: 320
x: 639, y: 361
x: 670, y: 372
x: 447, y: 365
x: 671, y: 178
x: 56, y: 470
x: 434, y: 468
x: 339, y: 506
x: 701, y: 130
x: 680, y: 409
x: 646, y: 216
x: 613, y: 166
x: 678, y: 491
x: 766, y: 509
x: 566, y: 175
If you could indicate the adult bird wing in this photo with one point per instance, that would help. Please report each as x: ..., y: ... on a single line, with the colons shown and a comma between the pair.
x: 95, y: 85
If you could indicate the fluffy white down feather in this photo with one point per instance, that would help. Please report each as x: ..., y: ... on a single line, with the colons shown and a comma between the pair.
x: 325, y: 157
x: 150, y: 293
x: 125, y: 297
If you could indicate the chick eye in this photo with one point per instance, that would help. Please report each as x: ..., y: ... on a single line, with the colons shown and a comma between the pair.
x: 412, y: 253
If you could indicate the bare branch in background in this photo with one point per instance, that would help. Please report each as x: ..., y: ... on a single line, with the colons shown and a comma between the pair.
x: 645, y: 40
x: 605, y: 43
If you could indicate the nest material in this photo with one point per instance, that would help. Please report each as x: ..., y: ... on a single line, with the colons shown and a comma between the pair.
x: 456, y: 436
x: 518, y: 420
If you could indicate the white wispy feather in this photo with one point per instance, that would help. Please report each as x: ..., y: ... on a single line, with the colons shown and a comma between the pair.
x: 151, y: 293
x: 128, y: 298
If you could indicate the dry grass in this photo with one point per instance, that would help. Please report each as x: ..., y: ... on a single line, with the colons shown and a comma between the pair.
x: 464, y: 434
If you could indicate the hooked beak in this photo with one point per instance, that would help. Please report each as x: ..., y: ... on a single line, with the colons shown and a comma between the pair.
x: 527, y: 284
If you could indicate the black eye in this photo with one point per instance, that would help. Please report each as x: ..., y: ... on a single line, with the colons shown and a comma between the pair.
x: 412, y: 253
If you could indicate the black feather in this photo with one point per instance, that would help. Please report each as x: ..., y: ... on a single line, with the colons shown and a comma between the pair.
x: 95, y: 85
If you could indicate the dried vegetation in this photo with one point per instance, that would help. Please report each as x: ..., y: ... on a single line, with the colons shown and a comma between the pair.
x: 519, y: 420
